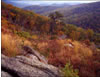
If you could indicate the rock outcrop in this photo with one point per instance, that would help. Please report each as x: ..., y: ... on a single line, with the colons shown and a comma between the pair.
x: 28, y: 50
x: 27, y: 66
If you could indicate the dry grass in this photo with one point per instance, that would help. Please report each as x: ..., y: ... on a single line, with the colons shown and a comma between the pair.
x: 82, y: 49
x: 9, y: 45
x: 27, y: 42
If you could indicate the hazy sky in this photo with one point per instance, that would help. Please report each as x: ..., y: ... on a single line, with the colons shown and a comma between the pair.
x: 47, y: 2
x: 50, y: 2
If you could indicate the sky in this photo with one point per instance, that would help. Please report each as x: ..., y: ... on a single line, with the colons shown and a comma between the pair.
x: 49, y: 1
x: 46, y: 2
x: 52, y: 2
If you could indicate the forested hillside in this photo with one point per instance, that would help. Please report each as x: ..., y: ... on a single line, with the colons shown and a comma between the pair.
x: 83, y: 15
x: 26, y: 19
x: 70, y: 48
x: 35, y: 23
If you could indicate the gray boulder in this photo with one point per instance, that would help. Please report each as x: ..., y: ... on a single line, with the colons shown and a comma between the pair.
x: 27, y: 66
x: 28, y: 50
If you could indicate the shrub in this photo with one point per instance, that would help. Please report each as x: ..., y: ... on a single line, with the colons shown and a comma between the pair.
x: 26, y: 42
x: 10, y: 46
x: 34, y: 37
x: 53, y: 37
x: 83, y: 50
x: 23, y: 34
x: 69, y: 71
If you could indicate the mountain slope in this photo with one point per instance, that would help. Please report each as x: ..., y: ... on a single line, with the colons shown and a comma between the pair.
x: 31, y: 21
x: 18, y: 35
x: 83, y: 15
x: 42, y: 9
x: 34, y: 23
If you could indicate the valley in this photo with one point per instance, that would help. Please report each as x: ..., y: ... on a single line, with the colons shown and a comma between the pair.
x: 50, y: 41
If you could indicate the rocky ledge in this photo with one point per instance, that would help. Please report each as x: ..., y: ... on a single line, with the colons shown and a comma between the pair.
x: 30, y: 65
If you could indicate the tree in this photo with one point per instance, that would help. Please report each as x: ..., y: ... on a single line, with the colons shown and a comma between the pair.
x: 74, y: 35
x: 82, y: 33
x: 69, y: 28
x: 89, y: 34
x: 55, y: 18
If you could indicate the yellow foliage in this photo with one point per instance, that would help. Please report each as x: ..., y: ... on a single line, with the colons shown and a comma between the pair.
x: 82, y: 49
x: 34, y: 37
x: 69, y: 40
x: 43, y: 44
x: 10, y: 46
x: 76, y: 47
x: 28, y: 43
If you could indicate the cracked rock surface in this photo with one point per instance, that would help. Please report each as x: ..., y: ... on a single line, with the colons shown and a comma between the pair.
x: 23, y: 66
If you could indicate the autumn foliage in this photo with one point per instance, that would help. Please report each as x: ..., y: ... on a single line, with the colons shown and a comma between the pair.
x: 21, y: 27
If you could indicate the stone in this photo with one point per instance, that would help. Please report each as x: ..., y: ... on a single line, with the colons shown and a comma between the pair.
x: 23, y: 66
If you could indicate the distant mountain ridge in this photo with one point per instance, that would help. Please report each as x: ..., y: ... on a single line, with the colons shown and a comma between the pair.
x: 43, y: 9
x: 83, y: 15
